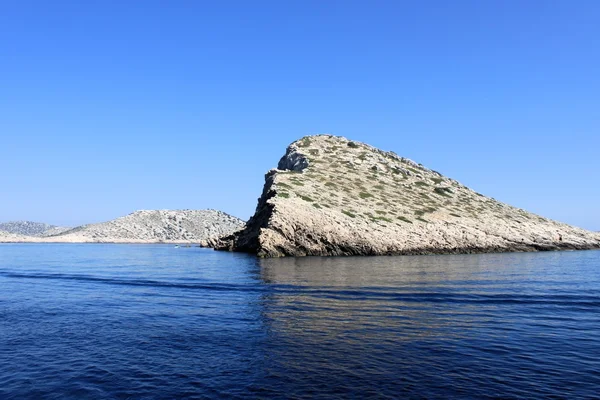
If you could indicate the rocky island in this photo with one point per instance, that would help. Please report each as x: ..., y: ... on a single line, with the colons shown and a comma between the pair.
x: 29, y: 228
x: 144, y: 226
x: 331, y: 196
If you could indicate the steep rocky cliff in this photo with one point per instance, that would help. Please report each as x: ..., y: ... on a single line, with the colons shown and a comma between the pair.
x: 333, y: 196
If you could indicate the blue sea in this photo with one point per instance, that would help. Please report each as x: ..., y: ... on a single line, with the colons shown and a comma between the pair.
x: 95, y: 321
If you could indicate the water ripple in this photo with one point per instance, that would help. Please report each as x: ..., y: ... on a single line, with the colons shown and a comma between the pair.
x: 152, y: 322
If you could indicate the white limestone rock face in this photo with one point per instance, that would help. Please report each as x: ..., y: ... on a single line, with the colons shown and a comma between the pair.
x: 332, y: 196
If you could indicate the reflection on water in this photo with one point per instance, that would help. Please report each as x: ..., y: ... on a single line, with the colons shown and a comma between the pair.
x: 439, y: 326
x: 119, y: 321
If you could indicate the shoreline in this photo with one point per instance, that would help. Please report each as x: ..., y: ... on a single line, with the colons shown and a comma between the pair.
x: 413, y: 253
x: 34, y: 241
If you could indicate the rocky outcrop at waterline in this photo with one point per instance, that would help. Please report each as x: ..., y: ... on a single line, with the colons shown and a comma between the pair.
x: 147, y: 226
x: 331, y: 196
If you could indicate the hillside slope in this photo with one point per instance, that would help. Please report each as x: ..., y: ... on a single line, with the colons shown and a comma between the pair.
x: 8, y: 237
x: 333, y: 196
x: 145, y: 226
x: 29, y: 228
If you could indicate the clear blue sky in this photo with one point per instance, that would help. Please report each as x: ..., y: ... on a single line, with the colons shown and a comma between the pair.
x: 111, y: 106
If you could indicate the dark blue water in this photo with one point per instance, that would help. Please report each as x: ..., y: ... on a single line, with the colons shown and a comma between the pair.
x: 158, y: 322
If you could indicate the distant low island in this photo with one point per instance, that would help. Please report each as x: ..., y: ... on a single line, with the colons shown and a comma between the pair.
x: 331, y: 196
x: 144, y: 226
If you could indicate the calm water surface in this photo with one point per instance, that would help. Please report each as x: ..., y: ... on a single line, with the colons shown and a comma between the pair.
x: 158, y: 322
